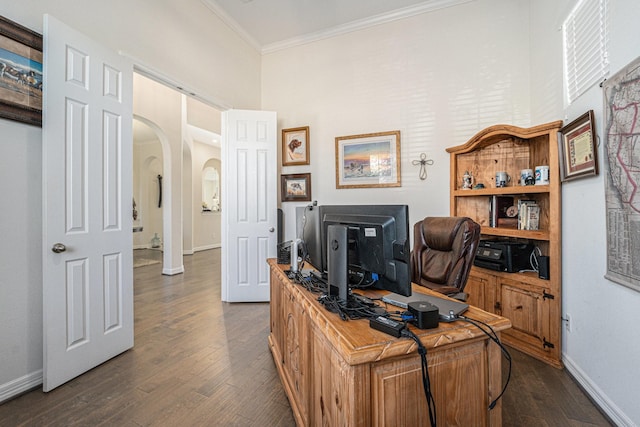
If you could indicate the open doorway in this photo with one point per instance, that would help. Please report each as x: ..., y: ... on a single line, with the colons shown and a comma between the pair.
x: 175, y: 137
x: 147, y: 195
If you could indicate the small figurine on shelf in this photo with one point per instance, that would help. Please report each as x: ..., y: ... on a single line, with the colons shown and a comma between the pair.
x: 467, y: 181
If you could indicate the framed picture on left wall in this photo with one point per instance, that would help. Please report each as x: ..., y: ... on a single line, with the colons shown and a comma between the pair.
x: 21, y: 73
x: 295, y: 146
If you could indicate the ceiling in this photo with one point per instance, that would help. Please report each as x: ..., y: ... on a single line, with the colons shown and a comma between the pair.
x: 276, y: 24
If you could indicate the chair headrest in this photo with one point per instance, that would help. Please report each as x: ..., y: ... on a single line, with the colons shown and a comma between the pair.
x: 440, y: 232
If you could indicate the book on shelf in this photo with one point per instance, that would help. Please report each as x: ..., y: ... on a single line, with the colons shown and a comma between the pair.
x: 528, y: 215
x: 508, y: 223
x: 498, y: 206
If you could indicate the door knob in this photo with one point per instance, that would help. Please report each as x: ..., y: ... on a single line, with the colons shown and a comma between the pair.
x: 271, y: 230
x: 58, y: 247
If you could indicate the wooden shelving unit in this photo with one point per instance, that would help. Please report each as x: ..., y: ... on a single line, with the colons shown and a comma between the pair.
x: 532, y: 304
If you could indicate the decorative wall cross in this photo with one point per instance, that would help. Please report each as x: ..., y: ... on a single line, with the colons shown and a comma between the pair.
x: 423, y: 162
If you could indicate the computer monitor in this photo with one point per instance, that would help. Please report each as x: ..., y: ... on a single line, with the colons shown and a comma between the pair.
x: 377, y: 244
x: 308, y: 230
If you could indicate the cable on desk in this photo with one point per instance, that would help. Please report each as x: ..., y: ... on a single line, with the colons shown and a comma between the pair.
x: 361, y: 279
x: 426, y: 382
x: 493, y: 337
x: 309, y: 282
x: 352, y: 309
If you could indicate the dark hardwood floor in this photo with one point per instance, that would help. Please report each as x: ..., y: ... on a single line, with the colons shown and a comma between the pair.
x: 200, y: 362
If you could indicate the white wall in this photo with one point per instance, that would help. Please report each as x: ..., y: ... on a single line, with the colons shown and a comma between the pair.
x: 602, y: 350
x: 438, y: 77
x: 189, y: 45
x: 20, y: 256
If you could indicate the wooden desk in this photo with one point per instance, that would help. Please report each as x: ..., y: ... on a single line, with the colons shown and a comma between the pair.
x: 343, y: 373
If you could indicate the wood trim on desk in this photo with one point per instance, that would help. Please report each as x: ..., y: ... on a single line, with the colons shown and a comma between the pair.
x: 363, y: 345
x: 340, y: 373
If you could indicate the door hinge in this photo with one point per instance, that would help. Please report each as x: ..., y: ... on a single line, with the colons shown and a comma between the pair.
x: 546, y: 295
x: 547, y: 343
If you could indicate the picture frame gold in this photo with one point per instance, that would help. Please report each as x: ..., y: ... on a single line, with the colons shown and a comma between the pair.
x: 21, y: 73
x: 295, y: 146
x: 368, y: 160
x: 296, y: 187
x: 577, y: 149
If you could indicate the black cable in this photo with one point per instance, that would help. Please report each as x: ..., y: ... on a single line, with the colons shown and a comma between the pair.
x: 309, y: 282
x: 351, y: 309
x: 494, y: 337
x: 426, y: 382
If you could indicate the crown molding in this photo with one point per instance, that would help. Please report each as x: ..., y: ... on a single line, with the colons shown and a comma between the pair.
x: 214, y: 7
x: 361, y: 24
x: 427, y: 6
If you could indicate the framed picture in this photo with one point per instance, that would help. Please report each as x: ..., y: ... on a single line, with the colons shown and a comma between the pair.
x: 296, y: 187
x: 578, y: 152
x: 20, y: 73
x: 295, y: 146
x: 369, y: 160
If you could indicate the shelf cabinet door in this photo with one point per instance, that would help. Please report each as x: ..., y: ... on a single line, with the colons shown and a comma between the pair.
x: 527, y: 306
x: 481, y: 290
x: 459, y: 377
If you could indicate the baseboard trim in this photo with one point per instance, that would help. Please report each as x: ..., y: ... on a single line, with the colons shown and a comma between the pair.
x: 207, y: 247
x: 609, y: 408
x: 173, y: 271
x: 20, y: 385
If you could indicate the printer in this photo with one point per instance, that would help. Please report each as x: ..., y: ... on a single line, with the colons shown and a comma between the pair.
x: 503, y: 255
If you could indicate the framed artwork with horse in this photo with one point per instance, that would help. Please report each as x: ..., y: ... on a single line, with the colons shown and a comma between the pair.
x: 295, y: 146
x: 21, y: 74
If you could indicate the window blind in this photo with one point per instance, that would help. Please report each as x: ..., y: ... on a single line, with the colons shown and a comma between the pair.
x: 585, y: 33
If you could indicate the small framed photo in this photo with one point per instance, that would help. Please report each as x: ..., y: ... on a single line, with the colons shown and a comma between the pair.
x: 295, y: 146
x: 20, y: 73
x: 296, y: 187
x: 577, y: 148
x: 368, y: 160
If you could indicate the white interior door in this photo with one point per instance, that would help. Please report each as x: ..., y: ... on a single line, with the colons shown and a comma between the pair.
x: 249, y: 214
x: 87, y: 192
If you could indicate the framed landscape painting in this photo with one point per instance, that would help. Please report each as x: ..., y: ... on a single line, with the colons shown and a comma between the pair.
x: 20, y: 73
x: 368, y: 160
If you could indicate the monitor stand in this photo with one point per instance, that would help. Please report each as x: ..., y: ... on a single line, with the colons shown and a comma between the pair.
x: 337, y: 257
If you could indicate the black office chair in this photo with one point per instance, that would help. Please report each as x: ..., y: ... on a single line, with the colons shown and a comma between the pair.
x: 443, y: 252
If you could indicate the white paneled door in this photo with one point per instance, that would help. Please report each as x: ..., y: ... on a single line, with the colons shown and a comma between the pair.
x: 87, y: 223
x: 249, y: 214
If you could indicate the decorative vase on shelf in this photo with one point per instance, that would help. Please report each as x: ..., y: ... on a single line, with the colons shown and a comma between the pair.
x: 155, y: 241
